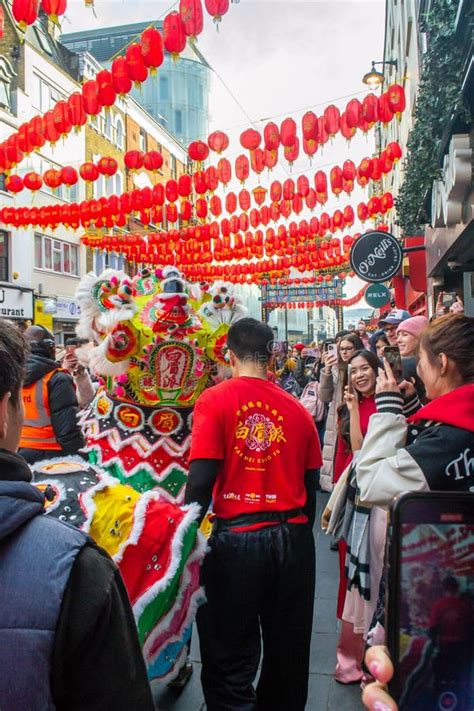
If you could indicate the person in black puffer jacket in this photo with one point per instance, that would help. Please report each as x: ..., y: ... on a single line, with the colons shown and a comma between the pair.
x: 51, y: 428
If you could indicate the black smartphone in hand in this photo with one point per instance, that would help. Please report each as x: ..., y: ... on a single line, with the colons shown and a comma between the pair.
x: 392, y: 354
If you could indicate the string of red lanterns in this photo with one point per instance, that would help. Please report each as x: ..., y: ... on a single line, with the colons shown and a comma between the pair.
x: 316, y: 304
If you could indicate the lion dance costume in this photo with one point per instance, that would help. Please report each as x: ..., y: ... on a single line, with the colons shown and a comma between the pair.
x: 156, y: 346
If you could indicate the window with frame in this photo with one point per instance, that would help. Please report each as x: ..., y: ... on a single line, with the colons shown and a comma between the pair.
x: 142, y: 142
x: 164, y: 88
x: 6, y: 76
x: 4, y: 255
x: 56, y: 256
x: 119, y: 134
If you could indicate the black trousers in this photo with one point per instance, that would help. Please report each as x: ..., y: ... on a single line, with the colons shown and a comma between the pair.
x: 259, y: 588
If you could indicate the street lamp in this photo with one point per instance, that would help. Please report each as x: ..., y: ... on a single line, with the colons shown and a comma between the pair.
x: 374, y: 78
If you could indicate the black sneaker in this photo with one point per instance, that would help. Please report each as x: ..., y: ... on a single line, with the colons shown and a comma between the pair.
x: 183, y: 677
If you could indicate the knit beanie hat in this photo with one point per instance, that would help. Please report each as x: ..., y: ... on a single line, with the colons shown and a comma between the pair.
x: 414, y: 325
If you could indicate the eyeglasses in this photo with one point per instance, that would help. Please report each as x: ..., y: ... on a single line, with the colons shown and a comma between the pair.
x: 352, y: 348
x: 390, y: 329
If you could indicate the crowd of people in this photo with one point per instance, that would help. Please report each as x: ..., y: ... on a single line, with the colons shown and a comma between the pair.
x: 333, y: 416
x: 384, y: 435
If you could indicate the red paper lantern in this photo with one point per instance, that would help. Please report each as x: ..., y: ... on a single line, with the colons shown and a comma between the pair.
x: 362, y: 211
x: 320, y: 182
x: 61, y: 118
x: 376, y: 169
x: 349, y: 170
x: 14, y: 184
x: 171, y: 190
x: 257, y: 159
x: 310, y: 147
x: 374, y: 205
x: 309, y: 125
x: 51, y: 132
x: 212, y: 178
x: 54, y: 8
x: 302, y: 186
x: 192, y: 17
x: 136, y: 67
x: 292, y: 152
x: 394, y: 152
x: 323, y: 135
x: 77, y: 115
x: 386, y: 202
x: 365, y: 168
x: 185, y: 210
x: 231, y: 203
x: 332, y: 120
x: 89, y: 172
x: 174, y: 34
x: 370, y: 109
x: 36, y: 132
x: 199, y: 182
x: 25, y: 12
x: 151, y: 45
x: 288, y: 133
x: 217, y: 8
x: 218, y: 141
x: 107, y: 166
x: 198, y: 151
x: 259, y: 195
x: 242, y: 168
x: 385, y: 163
x: 288, y: 189
x: 250, y: 139
x: 133, y: 160
x: 52, y: 179
x: 270, y: 158
x: 215, y: 205
x: 224, y: 170
x: 346, y: 131
x: 90, y: 96
x: 69, y: 176
x: 32, y: 181
x: 244, y: 200
x: 396, y: 98
x: 153, y: 161
x: 271, y: 137
x: 120, y: 79
x: 107, y: 94
x: 185, y: 185
x: 348, y: 215
x: 352, y: 113
x: 385, y: 113
x: 276, y: 191
x: 172, y: 212
x: 310, y: 199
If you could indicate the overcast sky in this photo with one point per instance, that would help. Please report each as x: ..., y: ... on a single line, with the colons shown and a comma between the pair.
x: 278, y: 58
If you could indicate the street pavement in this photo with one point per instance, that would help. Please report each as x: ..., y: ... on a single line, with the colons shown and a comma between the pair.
x: 324, y: 693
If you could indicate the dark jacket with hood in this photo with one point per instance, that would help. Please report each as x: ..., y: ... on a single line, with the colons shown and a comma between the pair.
x: 432, y: 450
x: 62, y: 399
x: 68, y: 640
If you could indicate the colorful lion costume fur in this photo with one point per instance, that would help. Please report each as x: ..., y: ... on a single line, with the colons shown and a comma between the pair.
x: 156, y: 345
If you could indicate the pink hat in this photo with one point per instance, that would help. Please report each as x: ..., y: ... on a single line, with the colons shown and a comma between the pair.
x: 414, y: 325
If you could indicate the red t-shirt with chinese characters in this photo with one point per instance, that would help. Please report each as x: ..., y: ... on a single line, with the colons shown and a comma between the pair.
x: 266, y: 441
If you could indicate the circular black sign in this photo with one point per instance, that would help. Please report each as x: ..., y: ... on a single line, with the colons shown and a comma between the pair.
x: 376, y: 256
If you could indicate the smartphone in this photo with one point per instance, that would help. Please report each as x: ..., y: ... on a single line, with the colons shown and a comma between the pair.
x: 392, y: 354
x: 350, y: 387
x: 430, y: 602
x: 331, y: 347
x: 449, y: 298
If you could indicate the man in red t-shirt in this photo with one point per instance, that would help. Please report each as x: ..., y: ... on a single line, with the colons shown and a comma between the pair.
x: 255, y: 452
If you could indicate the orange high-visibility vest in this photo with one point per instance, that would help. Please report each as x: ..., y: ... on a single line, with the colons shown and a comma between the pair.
x: 37, y: 432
